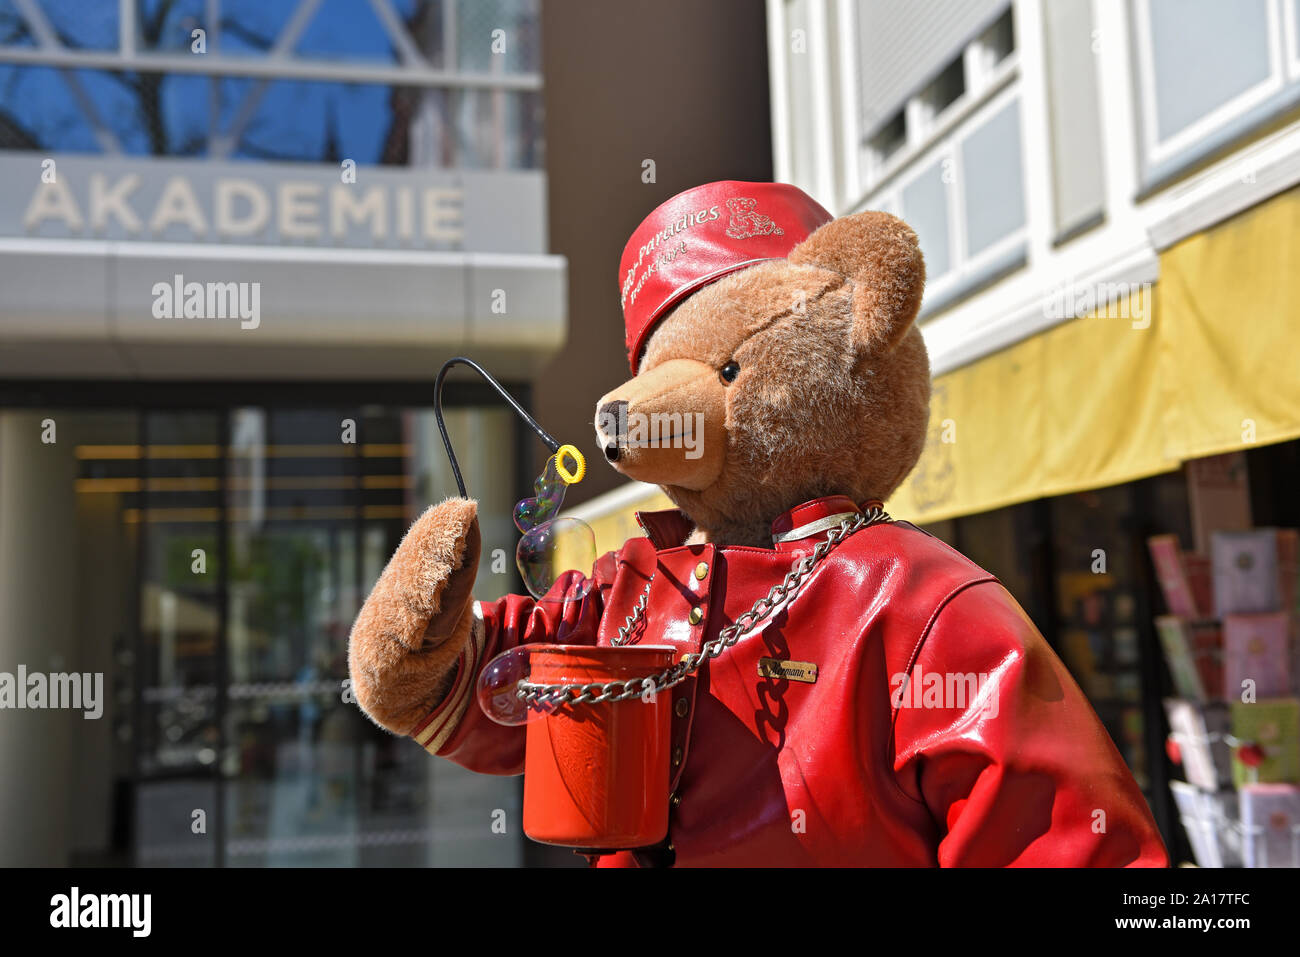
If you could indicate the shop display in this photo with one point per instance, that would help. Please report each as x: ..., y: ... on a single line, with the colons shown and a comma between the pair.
x: 1268, y: 741
x: 1245, y: 570
x: 1270, y: 824
x: 1257, y: 654
x: 1200, y: 737
x: 1212, y: 821
x: 1235, y: 727
x: 1182, y: 655
x: 1175, y: 581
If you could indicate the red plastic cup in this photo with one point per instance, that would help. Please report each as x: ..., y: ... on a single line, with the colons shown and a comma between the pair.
x: 596, y: 775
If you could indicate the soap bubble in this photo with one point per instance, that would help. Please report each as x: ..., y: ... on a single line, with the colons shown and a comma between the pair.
x: 550, y: 552
x: 498, y: 689
x: 548, y: 496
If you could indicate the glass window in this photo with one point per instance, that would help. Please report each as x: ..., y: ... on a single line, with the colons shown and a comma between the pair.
x: 993, y: 184
x: 288, y: 119
x: 1097, y: 585
x: 1210, y: 74
x: 944, y: 89
x: 498, y: 36
x: 176, y: 731
x: 79, y: 25
x: 166, y: 25
x: 344, y: 29
x: 925, y: 208
x: 1204, y: 53
x: 254, y: 26
x: 259, y: 532
x: 890, y: 138
x: 999, y: 40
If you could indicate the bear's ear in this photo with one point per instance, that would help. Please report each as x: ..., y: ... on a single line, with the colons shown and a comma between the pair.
x: 881, y: 256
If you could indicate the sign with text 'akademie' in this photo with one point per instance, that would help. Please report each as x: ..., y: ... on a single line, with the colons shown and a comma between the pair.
x: 281, y: 204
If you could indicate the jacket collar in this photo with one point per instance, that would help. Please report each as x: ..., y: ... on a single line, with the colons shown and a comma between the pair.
x: 670, y: 528
x: 666, y: 529
x: 811, y: 520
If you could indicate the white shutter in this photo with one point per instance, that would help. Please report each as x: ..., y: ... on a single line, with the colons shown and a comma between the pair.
x: 1074, y: 116
x: 903, y: 45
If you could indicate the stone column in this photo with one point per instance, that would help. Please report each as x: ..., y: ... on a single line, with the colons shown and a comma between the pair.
x: 38, y: 608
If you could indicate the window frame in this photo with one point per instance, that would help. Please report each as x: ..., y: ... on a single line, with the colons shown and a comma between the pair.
x: 1158, y: 159
x: 965, y: 273
x: 984, y: 79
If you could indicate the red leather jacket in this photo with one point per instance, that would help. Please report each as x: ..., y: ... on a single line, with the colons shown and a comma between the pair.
x: 1000, y: 760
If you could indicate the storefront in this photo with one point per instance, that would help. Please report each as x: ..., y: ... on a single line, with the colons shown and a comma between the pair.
x: 208, y: 559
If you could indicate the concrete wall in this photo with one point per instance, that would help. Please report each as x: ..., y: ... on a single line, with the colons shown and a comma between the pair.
x: 679, y: 82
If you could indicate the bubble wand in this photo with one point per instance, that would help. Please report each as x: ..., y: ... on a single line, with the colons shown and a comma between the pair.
x: 545, y: 536
x: 548, y: 541
x: 558, y: 451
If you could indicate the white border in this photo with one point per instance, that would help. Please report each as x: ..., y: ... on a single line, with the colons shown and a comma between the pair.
x: 846, y: 22
x: 823, y: 120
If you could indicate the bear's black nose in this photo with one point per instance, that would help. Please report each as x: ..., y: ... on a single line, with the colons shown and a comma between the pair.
x: 615, y: 414
x: 611, y: 427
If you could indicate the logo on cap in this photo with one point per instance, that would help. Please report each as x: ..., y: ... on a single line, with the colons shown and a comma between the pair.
x: 746, y: 223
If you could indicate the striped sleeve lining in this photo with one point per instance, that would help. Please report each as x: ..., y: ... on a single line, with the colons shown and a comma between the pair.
x: 437, y: 729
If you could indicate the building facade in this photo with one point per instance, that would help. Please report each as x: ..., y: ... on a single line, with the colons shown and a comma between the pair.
x: 237, y: 240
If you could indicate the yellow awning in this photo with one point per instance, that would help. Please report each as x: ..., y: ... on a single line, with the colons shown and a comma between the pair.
x: 1108, y: 398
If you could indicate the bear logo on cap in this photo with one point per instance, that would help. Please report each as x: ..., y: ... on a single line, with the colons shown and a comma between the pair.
x: 745, y: 223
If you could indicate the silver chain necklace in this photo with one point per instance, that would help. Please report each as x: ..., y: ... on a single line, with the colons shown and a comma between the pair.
x: 550, y: 696
x: 637, y: 614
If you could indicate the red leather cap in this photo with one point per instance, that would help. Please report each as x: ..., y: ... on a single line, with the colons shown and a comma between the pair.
x: 702, y: 235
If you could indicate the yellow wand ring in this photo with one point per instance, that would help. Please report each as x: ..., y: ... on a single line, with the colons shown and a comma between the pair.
x: 580, y: 465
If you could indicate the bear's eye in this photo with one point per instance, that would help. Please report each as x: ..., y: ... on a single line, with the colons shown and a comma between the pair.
x: 730, y: 371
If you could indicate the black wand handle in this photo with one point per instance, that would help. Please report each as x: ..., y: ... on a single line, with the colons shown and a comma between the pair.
x: 542, y: 434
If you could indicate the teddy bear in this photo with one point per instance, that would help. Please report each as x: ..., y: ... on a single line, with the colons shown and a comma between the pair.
x: 886, y: 702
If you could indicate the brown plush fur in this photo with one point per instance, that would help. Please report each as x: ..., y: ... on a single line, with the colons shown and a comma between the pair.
x: 832, y: 397
x: 415, y: 622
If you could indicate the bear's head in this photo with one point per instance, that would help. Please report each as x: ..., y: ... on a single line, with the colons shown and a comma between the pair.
x: 796, y: 374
